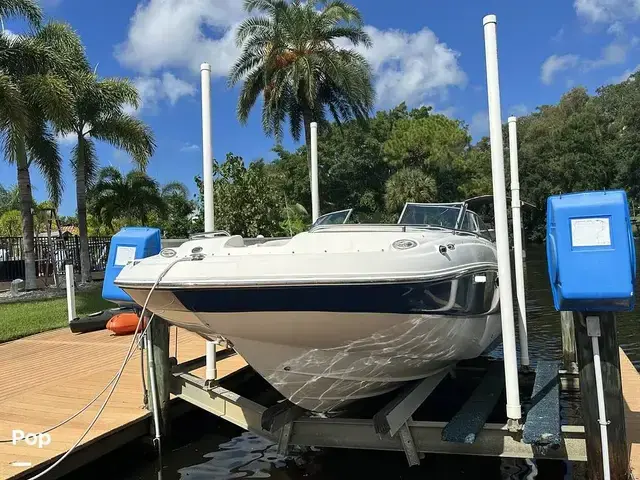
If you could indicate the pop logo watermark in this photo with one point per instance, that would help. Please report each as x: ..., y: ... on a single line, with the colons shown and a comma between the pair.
x: 32, y: 439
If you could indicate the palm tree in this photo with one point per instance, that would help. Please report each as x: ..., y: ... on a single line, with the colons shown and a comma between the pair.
x: 132, y: 196
x: 98, y: 113
x: 291, y: 55
x: 9, y: 199
x: 33, y: 92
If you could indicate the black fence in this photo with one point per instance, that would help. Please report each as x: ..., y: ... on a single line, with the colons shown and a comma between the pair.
x: 50, y: 256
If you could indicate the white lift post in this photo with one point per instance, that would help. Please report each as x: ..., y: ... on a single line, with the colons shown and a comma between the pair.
x: 207, y: 180
x: 315, y: 195
x: 514, y: 411
x: 517, y: 242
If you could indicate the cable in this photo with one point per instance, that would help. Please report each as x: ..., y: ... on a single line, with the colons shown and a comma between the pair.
x: 120, y: 371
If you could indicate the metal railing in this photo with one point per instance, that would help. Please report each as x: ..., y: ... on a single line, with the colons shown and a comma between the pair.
x: 64, y: 250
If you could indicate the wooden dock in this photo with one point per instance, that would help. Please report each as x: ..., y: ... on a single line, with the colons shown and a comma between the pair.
x: 48, y: 377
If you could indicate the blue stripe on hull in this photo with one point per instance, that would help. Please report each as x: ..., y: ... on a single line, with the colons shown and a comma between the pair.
x: 463, y: 296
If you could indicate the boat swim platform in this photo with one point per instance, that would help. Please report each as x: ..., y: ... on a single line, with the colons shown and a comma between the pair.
x: 46, y: 378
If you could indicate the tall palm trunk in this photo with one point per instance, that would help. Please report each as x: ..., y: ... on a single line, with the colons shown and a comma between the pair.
x: 81, y: 198
x: 26, y: 206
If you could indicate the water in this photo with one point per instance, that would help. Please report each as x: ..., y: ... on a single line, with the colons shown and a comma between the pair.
x: 205, y: 447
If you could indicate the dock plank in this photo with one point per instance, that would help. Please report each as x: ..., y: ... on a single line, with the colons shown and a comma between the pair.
x: 468, y: 422
x: 542, y: 426
x: 631, y: 394
x: 47, y: 377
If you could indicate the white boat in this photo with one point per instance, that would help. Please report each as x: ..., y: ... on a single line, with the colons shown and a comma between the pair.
x: 341, y: 312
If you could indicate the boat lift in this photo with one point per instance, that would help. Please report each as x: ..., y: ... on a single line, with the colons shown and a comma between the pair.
x: 395, y: 425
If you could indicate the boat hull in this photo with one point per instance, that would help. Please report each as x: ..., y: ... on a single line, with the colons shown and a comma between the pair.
x: 333, y: 345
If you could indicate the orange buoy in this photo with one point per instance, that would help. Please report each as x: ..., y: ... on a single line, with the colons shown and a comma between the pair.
x: 124, y: 323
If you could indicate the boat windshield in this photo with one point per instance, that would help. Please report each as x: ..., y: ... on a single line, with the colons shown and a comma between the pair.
x: 454, y: 216
x: 434, y: 215
x: 444, y: 215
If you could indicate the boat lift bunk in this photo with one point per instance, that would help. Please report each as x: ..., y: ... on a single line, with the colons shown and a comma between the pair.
x: 408, y: 420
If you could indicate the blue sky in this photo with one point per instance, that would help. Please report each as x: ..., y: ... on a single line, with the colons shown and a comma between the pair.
x: 425, y: 52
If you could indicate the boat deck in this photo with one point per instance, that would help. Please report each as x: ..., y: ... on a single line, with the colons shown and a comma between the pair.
x: 48, y: 377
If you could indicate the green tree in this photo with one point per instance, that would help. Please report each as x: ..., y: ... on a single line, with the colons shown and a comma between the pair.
x: 133, y: 197
x: 10, y: 223
x: 178, y: 222
x: 434, y: 144
x: 9, y: 199
x: 98, y: 113
x: 409, y: 184
x: 291, y: 56
x: 245, y: 201
x: 33, y: 93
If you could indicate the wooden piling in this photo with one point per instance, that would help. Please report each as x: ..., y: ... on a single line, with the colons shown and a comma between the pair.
x: 569, y: 360
x: 159, y: 335
x: 614, y: 402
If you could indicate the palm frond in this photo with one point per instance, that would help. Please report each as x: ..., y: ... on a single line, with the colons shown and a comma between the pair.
x: 67, y: 45
x: 127, y: 133
x: 43, y: 151
x: 175, y: 188
x: 50, y: 94
x: 27, y: 9
x: 14, y: 109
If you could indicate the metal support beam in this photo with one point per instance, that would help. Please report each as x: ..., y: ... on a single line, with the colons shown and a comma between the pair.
x: 396, y: 413
x: 221, y: 402
x: 409, y: 446
x: 494, y: 440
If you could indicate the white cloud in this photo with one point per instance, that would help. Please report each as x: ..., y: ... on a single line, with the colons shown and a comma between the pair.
x: 613, y: 54
x: 559, y: 36
x: 175, y: 33
x: 153, y: 90
x: 519, y: 110
x: 479, y: 126
x: 607, y: 11
x: 616, y: 29
x: 66, y: 139
x: 189, y: 147
x: 555, y: 64
x: 411, y: 67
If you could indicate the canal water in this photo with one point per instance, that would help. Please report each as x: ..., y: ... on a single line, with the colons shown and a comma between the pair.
x: 204, y: 447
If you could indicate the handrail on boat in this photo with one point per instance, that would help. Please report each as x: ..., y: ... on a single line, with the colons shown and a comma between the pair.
x: 214, y: 233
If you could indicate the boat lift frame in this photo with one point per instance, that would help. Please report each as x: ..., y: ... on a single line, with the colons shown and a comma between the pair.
x: 391, y: 429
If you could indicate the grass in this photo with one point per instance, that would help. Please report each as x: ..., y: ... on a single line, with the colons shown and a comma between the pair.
x: 18, y: 320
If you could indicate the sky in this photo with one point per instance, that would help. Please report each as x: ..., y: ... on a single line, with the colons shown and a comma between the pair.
x: 425, y: 52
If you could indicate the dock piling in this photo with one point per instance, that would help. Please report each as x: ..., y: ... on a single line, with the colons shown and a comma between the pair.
x: 569, y: 362
x: 614, y: 401
x: 158, y: 333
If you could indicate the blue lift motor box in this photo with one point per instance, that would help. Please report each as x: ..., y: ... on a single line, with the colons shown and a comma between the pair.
x: 590, y: 251
x: 130, y: 243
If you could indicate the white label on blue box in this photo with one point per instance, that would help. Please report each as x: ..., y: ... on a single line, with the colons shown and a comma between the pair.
x: 590, y: 232
x: 124, y: 255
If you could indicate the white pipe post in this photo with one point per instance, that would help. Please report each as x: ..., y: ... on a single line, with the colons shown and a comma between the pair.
x: 207, y: 180
x: 71, y: 294
x: 514, y: 412
x: 517, y: 243
x: 315, y: 196
x: 593, y: 330
x: 207, y: 149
